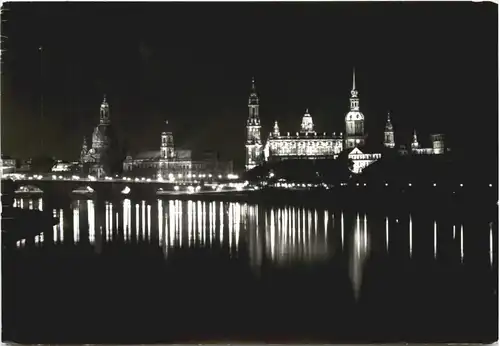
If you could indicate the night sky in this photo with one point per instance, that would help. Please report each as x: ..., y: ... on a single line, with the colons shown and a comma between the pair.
x: 433, y: 65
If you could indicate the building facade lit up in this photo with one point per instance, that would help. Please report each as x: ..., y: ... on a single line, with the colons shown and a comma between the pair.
x: 308, y: 143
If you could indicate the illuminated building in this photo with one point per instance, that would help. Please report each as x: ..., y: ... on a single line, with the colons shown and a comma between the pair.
x: 99, y: 159
x: 170, y: 161
x: 310, y: 144
x: 253, y: 142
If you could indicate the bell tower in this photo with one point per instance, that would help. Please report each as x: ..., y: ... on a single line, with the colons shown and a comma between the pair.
x: 389, y: 133
x: 354, y: 120
x: 253, y: 143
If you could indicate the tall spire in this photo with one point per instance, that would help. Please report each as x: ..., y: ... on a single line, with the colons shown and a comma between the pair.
x: 353, y: 78
x: 354, y: 92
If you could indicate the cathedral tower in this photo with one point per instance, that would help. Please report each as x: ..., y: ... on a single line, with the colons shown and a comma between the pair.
x: 253, y: 143
x: 104, y: 112
x: 389, y: 133
x: 167, y: 150
x: 354, y: 120
x: 307, y: 125
x: 414, y: 144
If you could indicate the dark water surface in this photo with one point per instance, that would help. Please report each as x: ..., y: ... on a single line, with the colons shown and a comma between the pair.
x: 164, y: 271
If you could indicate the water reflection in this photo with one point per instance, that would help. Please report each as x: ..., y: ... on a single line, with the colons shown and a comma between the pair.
x: 280, y: 235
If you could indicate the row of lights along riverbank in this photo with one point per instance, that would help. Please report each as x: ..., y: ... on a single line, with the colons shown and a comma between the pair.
x: 179, y: 178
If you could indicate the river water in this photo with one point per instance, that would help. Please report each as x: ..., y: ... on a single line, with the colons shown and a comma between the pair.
x: 170, y: 270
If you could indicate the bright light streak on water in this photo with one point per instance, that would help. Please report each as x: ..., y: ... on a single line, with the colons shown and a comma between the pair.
x: 221, y: 223
x: 40, y: 204
x: 204, y: 223
x: 211, y: 216
x: 110, y: 220
x: 230, y: 224
x: 160, y: 222
x: 91, y: 220
x: 30, y: 204
x: 190, y: 223
x: 342, y: 228
x: 61, y: 226
x: 201, y: 229
x: 127, y: 218
x: 271, y: 242
x: 143, y: 219
x: 107, y: 221
x: 179, y: 223
x: 76, y: 223
x: 172, y: 208
x: 137, y: 229
x: 21, y: 201
x: 237, y: 226
x: 387, y: 233
x: 461, y: 242
x: 365, y: 230
x: 454, y: 231
x: 491, y: 242
x: 435, y: 239
x: 149, y: 222
x: 411, y: 236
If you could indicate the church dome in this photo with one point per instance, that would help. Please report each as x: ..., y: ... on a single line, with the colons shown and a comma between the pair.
x: 354, y: 115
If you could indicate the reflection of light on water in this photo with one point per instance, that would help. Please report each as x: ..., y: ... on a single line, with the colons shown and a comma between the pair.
x: 160, y: 221
x: 40, y: 204
x: 76, y: 222
x: 91, y: 220
x: 387, y: 233
x: 190, y: 223
x: 30, y: 204
x: 143, y: 219
x: 203, y: 221
x: 179, y: 222
x: 200, y: 231
x: 21, y: 202
x: 61, y: 226
x: 137, y: 221
x: 171, y: 222
x: 237, y: 226
x: 453, y: 231
x: 360, y: 250
x: 411, y: 236
x: 461, y: 242
x: 342, y: 228
x: 110, y: 219
x: 127, y: 218
x: 149, y: 221
x: 107, y: 228
x: 271, y: 240
x: 491, y: 242
x: 221, y: 223
x: 435, y: 239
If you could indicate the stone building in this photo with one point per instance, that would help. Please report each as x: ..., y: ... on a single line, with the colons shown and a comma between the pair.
x: 104, y: 156
x: 307, y: 143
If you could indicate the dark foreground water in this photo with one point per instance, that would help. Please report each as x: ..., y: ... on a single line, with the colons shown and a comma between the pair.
x: 162, y: 271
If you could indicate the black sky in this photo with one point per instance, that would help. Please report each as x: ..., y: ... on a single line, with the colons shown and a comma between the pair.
x: 434, y: 65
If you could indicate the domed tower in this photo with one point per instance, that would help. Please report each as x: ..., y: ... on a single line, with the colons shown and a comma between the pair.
x: 354, y: 120
x: 307, y: 125
x: 84, y: 151
x: 389, y: 133
x: 276, y: 129
x: 253, y: 143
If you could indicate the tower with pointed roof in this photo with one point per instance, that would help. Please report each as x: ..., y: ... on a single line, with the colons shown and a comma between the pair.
x: 389, y: 133
x: 307, y: 125
x: 276, y: 129
x: 354, y: 119
x: 253, y: 141
x: 414, y: 144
